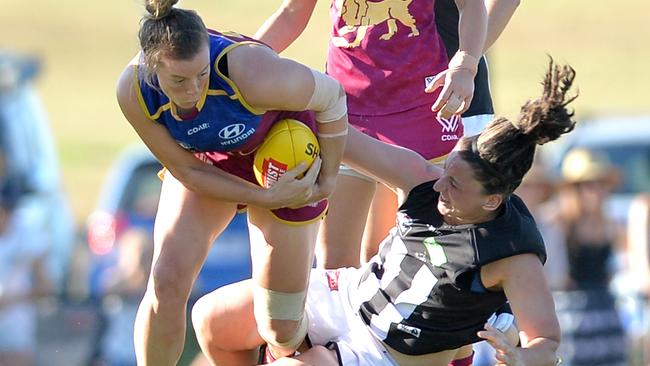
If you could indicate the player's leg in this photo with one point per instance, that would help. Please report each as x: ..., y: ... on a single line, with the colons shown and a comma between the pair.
x: 225, y: 325
x: 381, y: 219
x: 186, y: 225
x: 339, y: 239
x: 282, y: 256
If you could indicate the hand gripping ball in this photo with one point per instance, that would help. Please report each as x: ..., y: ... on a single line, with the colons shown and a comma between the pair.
x: 287, y: 143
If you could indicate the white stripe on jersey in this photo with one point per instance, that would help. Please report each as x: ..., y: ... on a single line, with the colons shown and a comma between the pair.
x: 393, y: 261
x: 380, y: 324
x: 407, y: 301
x: 421, y: 286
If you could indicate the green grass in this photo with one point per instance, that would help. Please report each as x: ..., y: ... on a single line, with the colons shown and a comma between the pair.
x: 85, y: 44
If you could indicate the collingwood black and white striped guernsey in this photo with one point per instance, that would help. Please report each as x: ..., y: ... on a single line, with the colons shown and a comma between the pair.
x: 422, y: 293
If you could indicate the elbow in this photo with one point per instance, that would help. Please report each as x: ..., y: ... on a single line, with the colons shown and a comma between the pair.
x: 297, y: 7
x: 185, y: 175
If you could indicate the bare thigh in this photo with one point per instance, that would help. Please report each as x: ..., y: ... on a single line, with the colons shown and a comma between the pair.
x: 186, y: 225
x: 282, y: 254
x: 225, y: 318
x: 339, y: 239
x: 380, y: 220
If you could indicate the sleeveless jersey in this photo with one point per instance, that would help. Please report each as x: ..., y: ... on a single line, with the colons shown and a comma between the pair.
x: 422, y: 293
x: 224, y: 122
x: 383, y: 51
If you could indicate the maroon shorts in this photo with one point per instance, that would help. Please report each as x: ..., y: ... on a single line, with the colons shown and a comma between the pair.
x: 467, y: 361
x: 241, y: 165
x: 417, y: 129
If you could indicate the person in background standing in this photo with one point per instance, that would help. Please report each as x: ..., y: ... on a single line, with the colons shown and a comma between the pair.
x: 592, y: 331
x: 23, y: 277
x: 539, y: 190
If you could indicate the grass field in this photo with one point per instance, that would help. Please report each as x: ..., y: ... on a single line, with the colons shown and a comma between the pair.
x: 85, y: 44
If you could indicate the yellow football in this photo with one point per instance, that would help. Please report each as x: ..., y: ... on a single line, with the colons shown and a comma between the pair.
x: 287, y: 143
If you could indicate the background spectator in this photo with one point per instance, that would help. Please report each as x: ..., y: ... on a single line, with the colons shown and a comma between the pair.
x: 592, y: 330
x: 539, y: 191
x: 125, y: 283
x: 23, y: 277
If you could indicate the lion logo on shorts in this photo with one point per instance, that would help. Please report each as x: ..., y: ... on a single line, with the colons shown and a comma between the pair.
x: 360, y: 14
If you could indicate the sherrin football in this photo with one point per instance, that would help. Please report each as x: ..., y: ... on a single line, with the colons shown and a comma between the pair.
x: 287, y: 143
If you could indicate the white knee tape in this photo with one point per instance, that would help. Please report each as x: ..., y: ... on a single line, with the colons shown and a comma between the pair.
x: 269, y: 304
x: 328, y: 101
x: 297, y: 338
x: 273, y: 305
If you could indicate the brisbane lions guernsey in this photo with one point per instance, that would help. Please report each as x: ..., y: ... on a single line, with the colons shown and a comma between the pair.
x: 383, y: 52
x: 423, y: 293
x: 223, y: 121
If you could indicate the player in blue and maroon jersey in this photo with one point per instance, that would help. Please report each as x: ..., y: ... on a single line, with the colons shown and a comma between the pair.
x: 202, y: 101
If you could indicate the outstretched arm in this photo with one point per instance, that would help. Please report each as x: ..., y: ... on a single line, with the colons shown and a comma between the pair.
x: 398, y: 167
x: 499, y: 13
x: 286, y: 24
x: 522, y: 279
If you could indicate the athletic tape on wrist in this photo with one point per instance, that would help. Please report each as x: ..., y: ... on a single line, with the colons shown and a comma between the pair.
x: 328, y: 101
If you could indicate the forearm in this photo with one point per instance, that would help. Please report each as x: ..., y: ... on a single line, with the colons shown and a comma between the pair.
x: 499, y: 13
x: 539, y: 352
x: 378, y: 160
x: 217, y: 184
x: 472, y: 27
x: 286, y: 24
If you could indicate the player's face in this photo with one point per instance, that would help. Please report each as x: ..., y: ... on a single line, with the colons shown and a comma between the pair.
x: 461, y: 198
x: 183, y: 81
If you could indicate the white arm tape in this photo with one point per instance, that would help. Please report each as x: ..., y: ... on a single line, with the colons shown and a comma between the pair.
x: 334, y: 134
x: 328, y: 101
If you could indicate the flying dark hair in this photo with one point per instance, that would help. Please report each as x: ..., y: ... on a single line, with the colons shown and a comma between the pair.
x: 173, y: 32
x: 503, y: 153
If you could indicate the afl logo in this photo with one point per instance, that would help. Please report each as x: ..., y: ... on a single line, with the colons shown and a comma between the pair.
x: 232, y: 131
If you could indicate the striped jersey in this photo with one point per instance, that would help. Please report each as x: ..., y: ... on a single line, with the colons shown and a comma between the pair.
x: 422, y: 293
x: 224, y: 120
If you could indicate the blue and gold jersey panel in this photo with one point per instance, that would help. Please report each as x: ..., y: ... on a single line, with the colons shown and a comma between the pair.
x: 222, y: 85
x: 224, y: 120
x: 151, y: 99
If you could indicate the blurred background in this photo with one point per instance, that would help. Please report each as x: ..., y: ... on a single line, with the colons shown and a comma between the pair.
x: 76, y: 182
